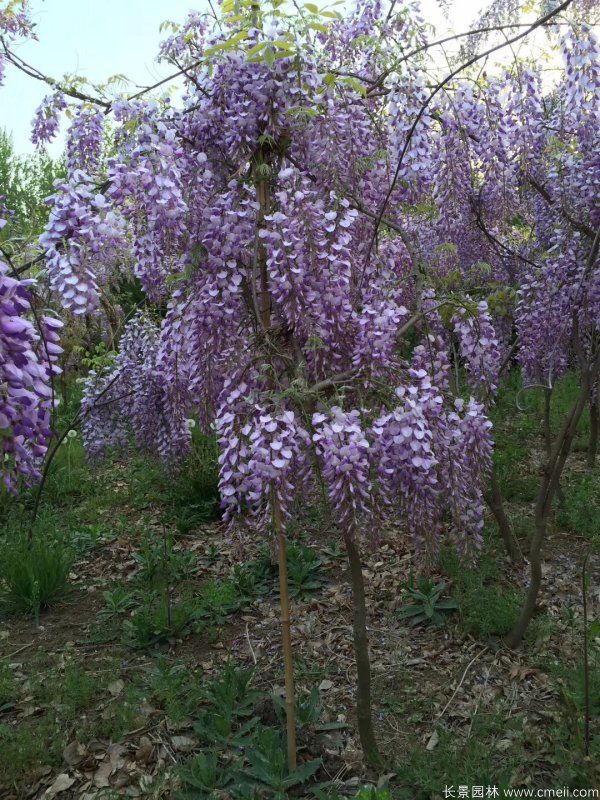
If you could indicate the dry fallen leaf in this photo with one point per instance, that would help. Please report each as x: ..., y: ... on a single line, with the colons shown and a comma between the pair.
x: 61, y: 784
x: 102, y: 775
x: 74, y: 753
x: 116, y: 687
x: 183, y: 743
x: 433, y: 740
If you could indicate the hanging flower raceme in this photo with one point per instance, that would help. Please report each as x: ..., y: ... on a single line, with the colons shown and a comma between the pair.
x: 262, y: 452
x: 467, y: 465
x: 344, y: 452
x: 27, y: 365
x: 15, y: 24
x: 46, y: 121
x: 405, y: 439
x: 145, y: 185
x: 133, y: 403
x: 479, y: 347
x: 84, y: 141
x: 432, y: 460
x: 82, y: 240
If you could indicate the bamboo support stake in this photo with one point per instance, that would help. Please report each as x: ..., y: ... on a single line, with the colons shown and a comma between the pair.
x: 288, y: 664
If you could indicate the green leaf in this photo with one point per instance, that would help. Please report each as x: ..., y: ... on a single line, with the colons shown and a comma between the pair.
x: 303, y: 773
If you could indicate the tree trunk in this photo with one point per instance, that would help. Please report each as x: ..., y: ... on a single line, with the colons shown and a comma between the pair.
x: 493, y: 497
x: 286, y: 631
x: 586, y: 661
x: 547, y: 427
x: 543, y: 508
x: 594, y: 432
x: 548, y: 436
x: 361, y: 651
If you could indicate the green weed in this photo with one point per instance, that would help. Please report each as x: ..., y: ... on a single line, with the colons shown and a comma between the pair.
x: 580, y: 512
x: 26, y: 747
x: 425, y: 605
x: 33, y: 576
x: 485, y: 607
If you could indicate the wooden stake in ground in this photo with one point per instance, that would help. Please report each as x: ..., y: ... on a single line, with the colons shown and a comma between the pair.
x: 288, y: 664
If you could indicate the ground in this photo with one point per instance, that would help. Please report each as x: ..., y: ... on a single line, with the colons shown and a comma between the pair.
x: 140, y: 678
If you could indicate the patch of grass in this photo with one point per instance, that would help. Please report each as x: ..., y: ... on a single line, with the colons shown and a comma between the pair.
x: 26, y: 747
x: 485, y: 607
x: 69, y: 477
x: 218, y: 599
x: 70, y: 691
x: 580, y: 512
x: 175, y: 688
x: 9, y: 691
x: 572, y: 769
x: 123, y: 714
x: 191, y: 496
x: 33, y: 576
x: 473, y: 759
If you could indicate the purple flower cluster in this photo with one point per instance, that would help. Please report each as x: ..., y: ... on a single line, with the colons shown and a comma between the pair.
x: 27, y: 364
x: 146, y: 186
x: 261, y: 452
x: 342, y: 446
x: 432, y: 461
x: 84, y: 141
x: 15, y: 24
x: 46, y: 120
x: 82, y: 240
x: 132, y: 402
x: 479, y: 347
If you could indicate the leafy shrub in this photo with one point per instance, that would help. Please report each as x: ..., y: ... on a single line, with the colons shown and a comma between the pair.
x: 160, y: 562
x: 267, y: 766
x: 175, y: 689
x: 118, y: 602
x: 305, y: 573
x: 426, y: 605
x: 308, y: 708
x: 254, y: 578
x: 201, y: 775
x: 232, y: 692
x: 158, y: 620
x: 33, y: 575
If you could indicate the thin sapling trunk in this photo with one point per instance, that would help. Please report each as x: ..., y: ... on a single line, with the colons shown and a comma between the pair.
x: 543, y: 509
x: 493, y: 498
x: 288, y: 663
x: 594, y: 432
x: 361, y: 650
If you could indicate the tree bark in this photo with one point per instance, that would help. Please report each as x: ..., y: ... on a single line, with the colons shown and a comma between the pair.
x: 361, y: 650
x: 547, y: 428
x: 548, y: 437
x: 286, y: 632
x: 543, y: 508
x: 493, y: 498
x: 594, y: 432
x: 586, y: 661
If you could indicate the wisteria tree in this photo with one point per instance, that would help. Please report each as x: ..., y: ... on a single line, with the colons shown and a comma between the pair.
x: 316, y: 218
